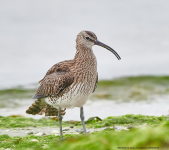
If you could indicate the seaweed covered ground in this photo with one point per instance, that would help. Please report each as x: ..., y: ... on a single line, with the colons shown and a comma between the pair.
x: 115, y: 132
x: 93, y: 122
x: 139, y: 88
x: 138, y: 131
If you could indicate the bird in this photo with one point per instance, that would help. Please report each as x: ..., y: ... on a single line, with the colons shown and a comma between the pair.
x: 69, y: 83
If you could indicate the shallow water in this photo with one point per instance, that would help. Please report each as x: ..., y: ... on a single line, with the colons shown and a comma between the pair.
x: 156, y: 106
x: 36, y: 35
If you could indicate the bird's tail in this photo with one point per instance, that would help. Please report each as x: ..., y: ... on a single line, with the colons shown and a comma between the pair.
x: 40, y: 106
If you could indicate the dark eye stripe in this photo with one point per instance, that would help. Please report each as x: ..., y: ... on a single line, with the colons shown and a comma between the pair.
x: 87, y: 38
x: 89, y: 33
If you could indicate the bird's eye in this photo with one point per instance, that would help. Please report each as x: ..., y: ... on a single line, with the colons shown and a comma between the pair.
x: 87, y: 38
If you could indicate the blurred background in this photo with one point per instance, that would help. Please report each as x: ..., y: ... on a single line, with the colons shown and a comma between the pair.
x: 34, y: 35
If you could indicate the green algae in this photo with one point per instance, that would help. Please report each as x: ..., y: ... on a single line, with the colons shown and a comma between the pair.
x: 154, y: 134
x: 112, y: 140
x: 139, y: 88
x: 140, y: 80
x: 125, y: 120
x: 14, y: 93
x: 27, y: 143
x: 8, y: 97
x: 108, y: 139
x: 21, y: 122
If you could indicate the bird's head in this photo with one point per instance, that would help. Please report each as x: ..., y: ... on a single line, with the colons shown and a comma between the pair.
x: 88, y: 39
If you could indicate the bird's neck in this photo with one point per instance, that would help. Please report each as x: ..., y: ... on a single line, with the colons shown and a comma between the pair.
x: 85, y: 63
x: 84, y: 54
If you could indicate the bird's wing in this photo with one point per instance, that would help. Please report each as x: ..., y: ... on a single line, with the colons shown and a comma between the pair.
x: 60, y: 67
x: 95, y: 83
x: 53, y: 84
x: 56, y: 80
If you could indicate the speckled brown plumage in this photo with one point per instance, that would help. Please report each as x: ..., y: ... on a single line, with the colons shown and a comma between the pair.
x: 54, y: 84
x: 95, y: 84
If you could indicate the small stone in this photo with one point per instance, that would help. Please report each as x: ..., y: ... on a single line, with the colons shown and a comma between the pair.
x: 44, y: 134
x: 129, y: 127
x: 66, y: 129
x: 34, y: 140
x: 75, y: 133
x: 6, y: 130
x: 125, y: 129
x: 38, y: 134
x: 55, y: 132
x: 96, y: 118
x: 45, y: 146
x: 71, y: 126
x: 29, y: 132
x: 118, y: 128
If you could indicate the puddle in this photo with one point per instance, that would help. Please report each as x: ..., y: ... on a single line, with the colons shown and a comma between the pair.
x: 156, y: 106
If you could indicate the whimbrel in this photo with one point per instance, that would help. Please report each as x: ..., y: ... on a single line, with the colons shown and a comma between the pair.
x: 69, y: 83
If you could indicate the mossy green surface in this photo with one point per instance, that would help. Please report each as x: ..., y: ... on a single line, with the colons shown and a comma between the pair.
x: 160, y: 80
x: 8, y: 97
x: 139, y: 88
x: 16, y: 93
x: 125, y: 120
x: 18, y: 121
x: 154, y: 136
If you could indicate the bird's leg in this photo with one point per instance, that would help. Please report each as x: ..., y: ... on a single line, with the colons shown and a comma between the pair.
x: 60, y: 123
x: 82, y: 119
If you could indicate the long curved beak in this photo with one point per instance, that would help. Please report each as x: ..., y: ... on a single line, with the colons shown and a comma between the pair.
x: 107, y: 47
